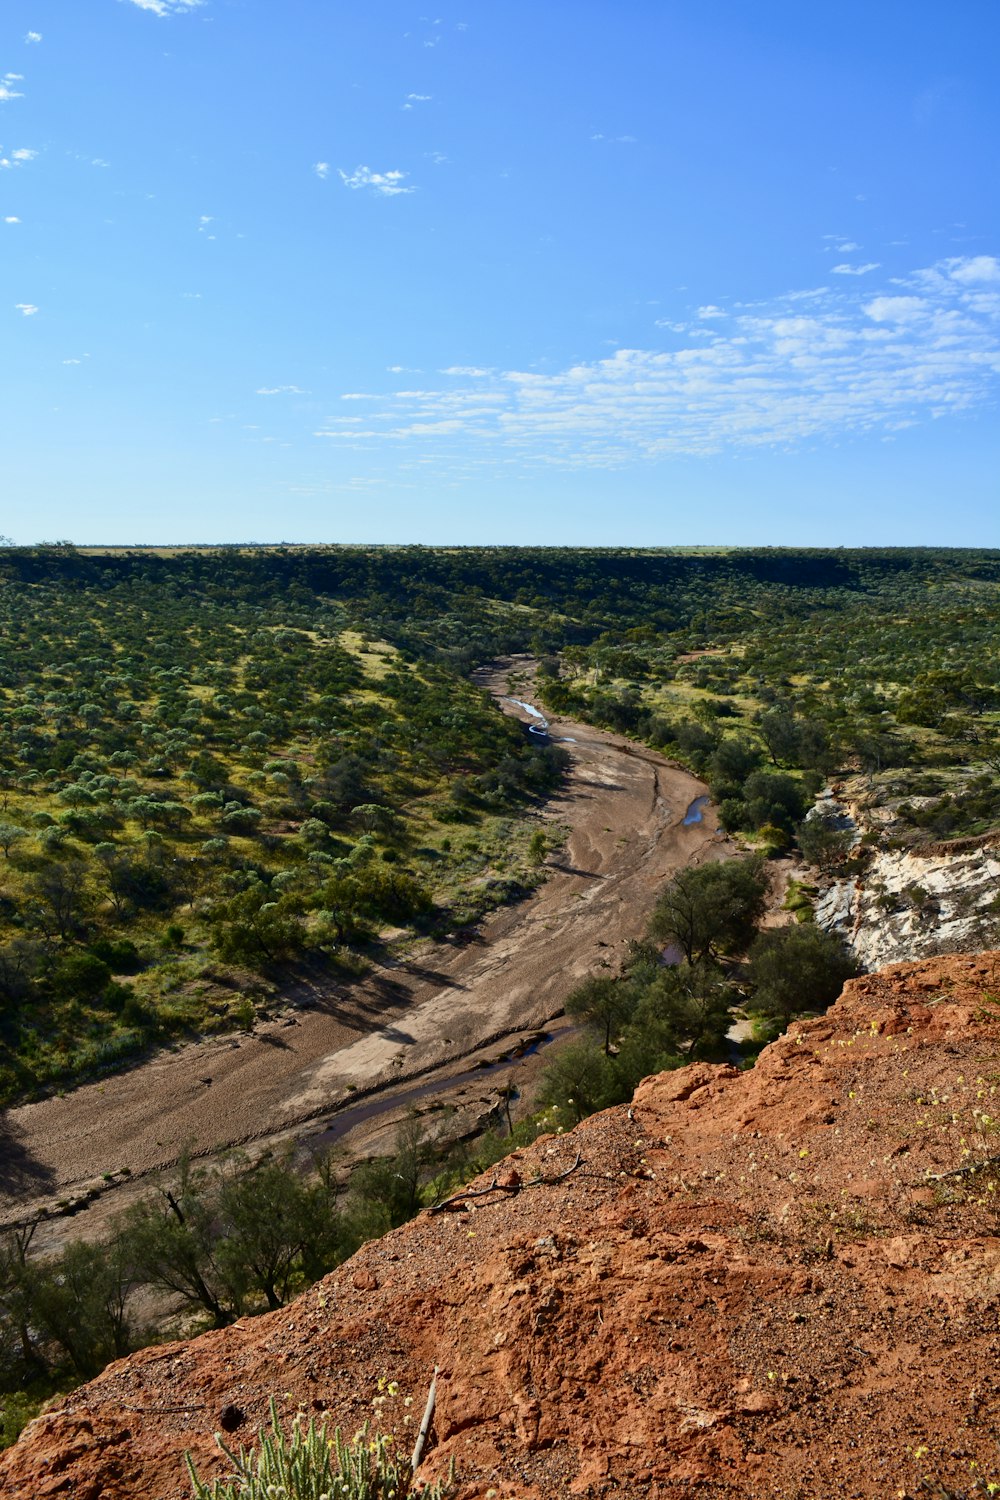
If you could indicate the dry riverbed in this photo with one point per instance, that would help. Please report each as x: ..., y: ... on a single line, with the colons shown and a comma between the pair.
x: 423, y: 1022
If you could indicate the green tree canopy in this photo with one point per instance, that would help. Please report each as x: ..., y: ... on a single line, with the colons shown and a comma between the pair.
x: 712, y: 910
x: 797, y: 968
x: 823, y: 841
x: 604, y: 1004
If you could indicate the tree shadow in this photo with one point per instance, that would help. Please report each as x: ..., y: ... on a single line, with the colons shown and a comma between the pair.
x: 422, y: 971
x: 394, y: 1034
x: 350, y: 999
x: 19, y: 1170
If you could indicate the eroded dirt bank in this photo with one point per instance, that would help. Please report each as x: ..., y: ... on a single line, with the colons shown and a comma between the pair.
x: 771, y: 1284
x: 424, y: 1017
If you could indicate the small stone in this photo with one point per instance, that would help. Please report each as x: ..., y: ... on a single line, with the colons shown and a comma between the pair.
x: 758, y: 1403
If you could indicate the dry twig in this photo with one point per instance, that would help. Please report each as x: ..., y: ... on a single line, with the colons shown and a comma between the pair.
x: 425, y: 1426
x: 461, y: 1197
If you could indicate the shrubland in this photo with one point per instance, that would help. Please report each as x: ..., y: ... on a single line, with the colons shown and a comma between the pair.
x: 198, y: 790
x: 209, y: 1244
x: 219, y: 765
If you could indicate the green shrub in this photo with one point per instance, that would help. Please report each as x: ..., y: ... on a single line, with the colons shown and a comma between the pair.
x: 120, y: 954
x: 775, y: 840
x: 138, y: 1013
x: 81, y: 975
x: 116, y: 996
x: 307, y: 1465
x: 18, y: 1408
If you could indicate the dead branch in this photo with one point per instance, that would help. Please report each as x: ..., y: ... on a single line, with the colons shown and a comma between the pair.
x: 967, y: 1171
x: 465, y: 1194
x: 425, y: 1426
x: 161, y: 1410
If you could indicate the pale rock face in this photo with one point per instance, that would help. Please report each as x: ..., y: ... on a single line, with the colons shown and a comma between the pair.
x: 911, y: 906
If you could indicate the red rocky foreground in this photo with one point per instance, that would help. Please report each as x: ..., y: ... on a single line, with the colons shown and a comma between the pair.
x: 778, y: 1283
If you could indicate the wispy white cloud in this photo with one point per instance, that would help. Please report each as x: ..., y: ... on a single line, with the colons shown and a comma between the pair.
x: 33, y: 36
x: 7, y: 86
x: 322, y: 169
x: 824, y: 365
x: 168, y: 7
x: 12, y: 219
x: 972, y: 269
x: 26, y: 309
x: 616, y: 140
x: 412, y: 99
x: 710, y: 311
x: 388, y: 184
x: 281, y: 390
x: 846, y: 270
x: 23, y: 154
x: 896, y: 309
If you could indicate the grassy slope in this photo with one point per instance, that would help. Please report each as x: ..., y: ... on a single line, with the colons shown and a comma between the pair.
x: 216, y: 746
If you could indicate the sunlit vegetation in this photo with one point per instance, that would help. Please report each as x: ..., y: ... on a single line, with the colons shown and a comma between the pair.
x: 672, y: 1003
x: 214, y: 1243
x: 800, y: 667
x: 217, y: 763
x: 201, y: 785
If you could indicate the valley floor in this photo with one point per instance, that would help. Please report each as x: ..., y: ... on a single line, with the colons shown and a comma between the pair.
x: 425, y: 1017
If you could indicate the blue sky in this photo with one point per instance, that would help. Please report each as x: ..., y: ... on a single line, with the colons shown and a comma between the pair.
x: 521, y: 271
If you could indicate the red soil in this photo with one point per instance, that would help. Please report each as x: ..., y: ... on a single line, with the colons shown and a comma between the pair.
x: 779, y: 1283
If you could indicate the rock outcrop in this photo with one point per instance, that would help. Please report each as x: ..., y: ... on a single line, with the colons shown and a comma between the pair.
x: 909, y: 903
x: 912, y: 904
x: 777, y: 1283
